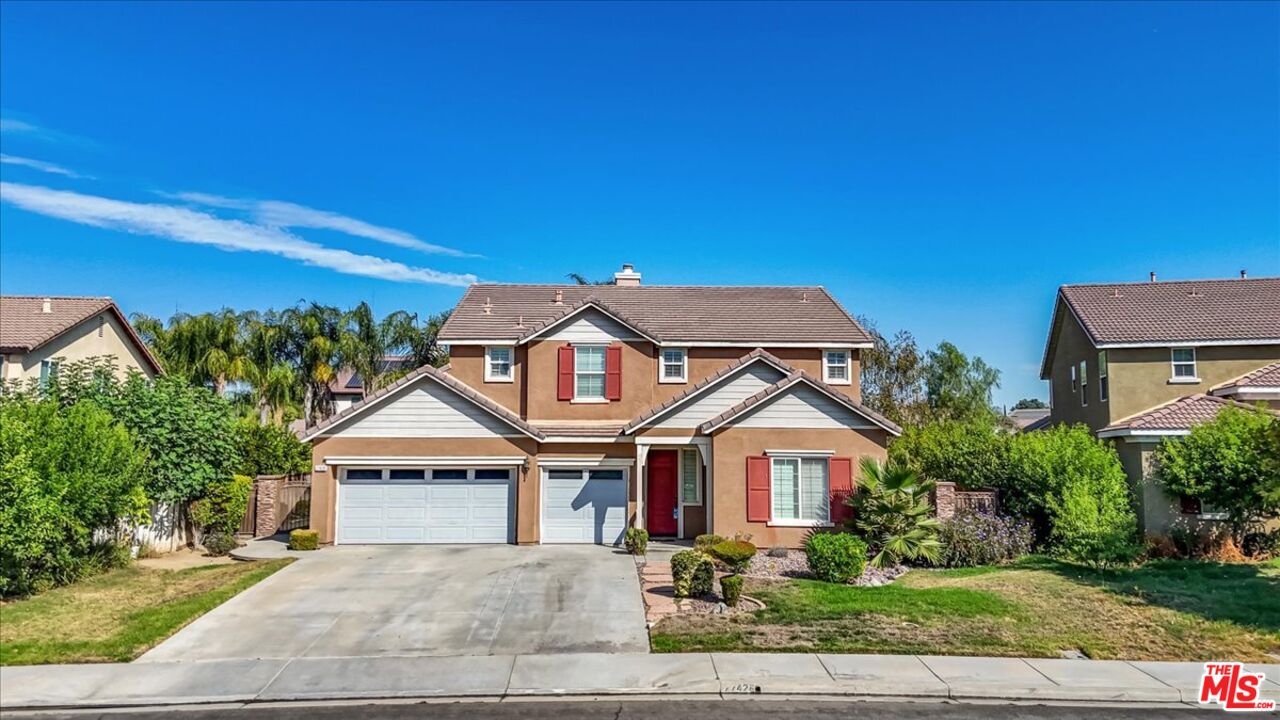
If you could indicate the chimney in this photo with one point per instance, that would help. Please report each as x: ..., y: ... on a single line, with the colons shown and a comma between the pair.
x: 1153, y: 276
x: 628, y: 277
x: 559, y: 297
x: 1244, y: 274
x: 46, y: 307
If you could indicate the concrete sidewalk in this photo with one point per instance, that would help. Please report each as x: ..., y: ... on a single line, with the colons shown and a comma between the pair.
x: 692, y: 674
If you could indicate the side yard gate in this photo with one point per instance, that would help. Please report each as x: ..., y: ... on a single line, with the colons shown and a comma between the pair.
x: 279, y: 503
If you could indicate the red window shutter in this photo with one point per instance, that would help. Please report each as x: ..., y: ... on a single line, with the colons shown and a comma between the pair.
x: 759, y: 493
x: 564, y: 374
x: 613, y: 372
x: 840, y: 475
x: 1190, y: 505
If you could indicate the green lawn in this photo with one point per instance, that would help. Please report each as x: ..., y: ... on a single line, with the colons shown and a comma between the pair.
x: 117, y: 616
x: 1167, y: 610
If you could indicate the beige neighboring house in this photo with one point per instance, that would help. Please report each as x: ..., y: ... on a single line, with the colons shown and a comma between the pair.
x: 37, y: 333
x: 569, y: 413
x: 1142, y: 362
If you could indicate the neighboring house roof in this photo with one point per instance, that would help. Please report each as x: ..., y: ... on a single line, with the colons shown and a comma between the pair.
x: 757, y: 355
x: 1266, y: 378
x: 798, y: 376
x: 667, y: 314
x: 1175, y: 417
x: 1023, y: 418
x: 349, y: 382
x: 1037, y: 424
x: 25, y: 326
x: 443, y: 378
x: 1194, y: 312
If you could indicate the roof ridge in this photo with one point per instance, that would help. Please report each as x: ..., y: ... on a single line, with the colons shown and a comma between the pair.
x: 56, y: 297
x: 1158, y: 283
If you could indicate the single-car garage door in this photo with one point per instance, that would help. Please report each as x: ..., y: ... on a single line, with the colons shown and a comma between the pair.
x: 584, y: 506
x: 425, y: 506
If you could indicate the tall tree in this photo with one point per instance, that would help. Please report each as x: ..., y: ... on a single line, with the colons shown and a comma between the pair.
x: 957, y: 387
x: 581, y: 279
x: 1030, y: 404
x: 893, y: 375
x: 314, y: 334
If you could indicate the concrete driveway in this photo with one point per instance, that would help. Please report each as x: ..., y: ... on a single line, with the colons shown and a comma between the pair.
x: 356, y: 601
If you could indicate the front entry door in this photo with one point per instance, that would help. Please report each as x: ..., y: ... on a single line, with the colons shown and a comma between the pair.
x: 661, y: 516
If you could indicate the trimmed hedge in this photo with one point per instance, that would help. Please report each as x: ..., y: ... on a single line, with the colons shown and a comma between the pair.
x: 692, y: 573
x: 734, y: 553
x: 836, y: 557
x: 731, y: 589
x: 704, y: 543
x: 304, y: 540
x: 636, y: 541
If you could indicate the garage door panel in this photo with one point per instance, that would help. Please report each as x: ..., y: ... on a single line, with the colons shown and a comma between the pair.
x: 581, y: 510
x: 441, y: 511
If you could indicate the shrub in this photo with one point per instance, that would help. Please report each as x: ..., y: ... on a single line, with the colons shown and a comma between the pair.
x: 731, y: 589
x: 270, y: 449
x: 636, y: 540
x: 835, y: 557
x: 219, y: 543
x: 970, y: 539
x: 692, y: 573
x: 1093, y: 521
x: 304, y: 540
x: 778, y: 551
x: 223, y: 506
x: 734, y: 553
x: 65, y: 472
x: 1262, y: 545
x: 893, y: 513
x: 703, y: 543
x: 970, y: 454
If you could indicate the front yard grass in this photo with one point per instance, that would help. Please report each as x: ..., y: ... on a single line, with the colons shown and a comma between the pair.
x: 1164, y: 610
x: 117, y: 616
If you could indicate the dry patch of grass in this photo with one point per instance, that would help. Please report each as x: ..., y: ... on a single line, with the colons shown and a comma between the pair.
x: 1172, y: 611
x: 117, y: 616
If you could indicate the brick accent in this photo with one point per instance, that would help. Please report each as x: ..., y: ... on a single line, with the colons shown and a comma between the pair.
x: 944, y: 500
x: 265, y: 489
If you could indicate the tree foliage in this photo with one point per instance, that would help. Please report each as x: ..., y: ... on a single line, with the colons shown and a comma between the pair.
x: 957, y: 387
x: 893, y: 513
x: 1030, y: 404
x: 270, y: 450
x: 1232, y: 462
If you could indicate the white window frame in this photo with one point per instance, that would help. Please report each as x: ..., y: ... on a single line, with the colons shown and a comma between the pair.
x: 1174, y: 377
x: 1084, y: 383
x: 697, y: 470
x: 1104, y: 385
x: 48, y: 370
x: 662, y: 366
x: 847, y: 365
x: 1074, y: 380
x: 603, y: 373
x: 489, y: 375
x: 798, y: 459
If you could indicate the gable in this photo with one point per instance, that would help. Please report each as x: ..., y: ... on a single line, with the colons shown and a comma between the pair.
x: 591, y: 326
x: 801, y: 406
x: 746, y: 382
x: 424, y: 410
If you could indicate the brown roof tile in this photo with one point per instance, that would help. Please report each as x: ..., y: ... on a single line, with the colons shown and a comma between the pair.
x: 24, y: 326
x: 1266, y: 376
x: 669, y: 313
x: 1180, y: 414
x: 790, y: 380
x: 444, y: 379
x: 1178, y: 311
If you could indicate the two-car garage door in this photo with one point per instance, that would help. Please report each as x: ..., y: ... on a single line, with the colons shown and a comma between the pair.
x: 473, y: 505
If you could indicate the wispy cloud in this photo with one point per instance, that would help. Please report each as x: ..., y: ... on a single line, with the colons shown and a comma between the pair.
x: 12, y: 126
x: 186, y: 225
x: 276, y: 213
x: 42, y: 166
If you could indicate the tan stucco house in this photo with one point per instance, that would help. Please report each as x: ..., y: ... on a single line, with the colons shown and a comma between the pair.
x: 37, y: 333
x: 1141, y: 362
x: 569, y: 413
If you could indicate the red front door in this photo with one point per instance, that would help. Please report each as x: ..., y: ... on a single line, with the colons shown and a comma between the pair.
x: 660, y: 501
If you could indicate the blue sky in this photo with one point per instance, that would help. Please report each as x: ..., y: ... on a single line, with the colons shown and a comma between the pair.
x: 940, y: 167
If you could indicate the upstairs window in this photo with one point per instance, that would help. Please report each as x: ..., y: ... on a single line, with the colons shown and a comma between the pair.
x: 1084, y: 383
x: 48, y: 371
x: 1073, y: 378
x: 835, y: 367
x: 674, y: 366
x: 1184, y: 365
x: 588, y: 372
x: 1104, y: 389
x: 497, y: 364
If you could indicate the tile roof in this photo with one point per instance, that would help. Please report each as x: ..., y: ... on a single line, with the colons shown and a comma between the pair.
x: 1178, y: 311
x: 668, y: 313
x: 445, y: 379
x: 24, y: 326
x: 348, y: 382
x: 1266, y: 376
x: 1180, y: 414
x: 698, y: 387
x: 785, y: 383
x: 580, y: 429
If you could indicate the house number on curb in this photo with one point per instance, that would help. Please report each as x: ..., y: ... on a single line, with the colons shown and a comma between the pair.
x: 743, y: 688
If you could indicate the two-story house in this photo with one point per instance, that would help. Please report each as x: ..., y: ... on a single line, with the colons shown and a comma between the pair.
x: 568, y: 413
x: 38, y: 333
x: 1141, y: 362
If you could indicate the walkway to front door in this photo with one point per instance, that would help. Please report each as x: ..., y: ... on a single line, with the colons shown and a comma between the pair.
x: 661, y: 515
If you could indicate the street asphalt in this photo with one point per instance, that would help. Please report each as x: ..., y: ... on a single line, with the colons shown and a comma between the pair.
x: 667, y: 709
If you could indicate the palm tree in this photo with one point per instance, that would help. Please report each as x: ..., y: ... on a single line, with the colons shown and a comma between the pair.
x: 275, y: 382
x: 581, y: 279
x: 892, y: 510
x: 362, y: 345
x: 207, y: 349
x: 313, y: 335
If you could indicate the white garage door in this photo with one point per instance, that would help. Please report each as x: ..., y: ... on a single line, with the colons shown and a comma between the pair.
x: 584, y: 506
x: 425, y: 506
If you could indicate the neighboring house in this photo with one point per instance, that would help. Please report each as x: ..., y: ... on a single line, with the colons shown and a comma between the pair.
x: 38, y: 333
x: 348, y: 387
x: 1141, y: 362
x: 569, y: 413
x: 1024, y: 419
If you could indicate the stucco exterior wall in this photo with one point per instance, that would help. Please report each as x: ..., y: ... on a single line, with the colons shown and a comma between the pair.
x: 1072, y: 347
x: 81, y: 343
x: 466, y: 362
x: 732, y: 445
x: 1140, y: 377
